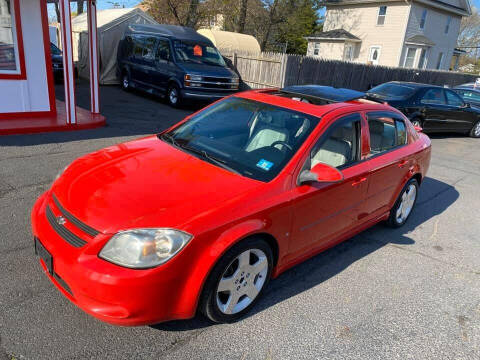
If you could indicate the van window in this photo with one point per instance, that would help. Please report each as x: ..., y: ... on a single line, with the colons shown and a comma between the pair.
x: 138, y: 45
x: 128, y: 46
x: 149, y: 48
x: 189, y: 51
x: 163, y: 50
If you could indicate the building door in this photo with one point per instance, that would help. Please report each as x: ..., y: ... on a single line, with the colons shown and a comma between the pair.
x: 374, y: 55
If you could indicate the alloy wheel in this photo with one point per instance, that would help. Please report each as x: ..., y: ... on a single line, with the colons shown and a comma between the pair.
x: 173, y: 95
x: 406, y: 204
x: 476, y: 130
x: 125, y: 82
x: 242, y: 281
x: 416, y: 123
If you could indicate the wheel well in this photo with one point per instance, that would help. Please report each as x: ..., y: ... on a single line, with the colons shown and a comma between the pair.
x: 271, y: 241
x: 418, y: 177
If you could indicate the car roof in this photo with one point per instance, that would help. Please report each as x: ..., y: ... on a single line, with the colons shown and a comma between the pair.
x: 169, y: 31
x: 469, y: 88
x: 413, y: 85
x: 277, y: 97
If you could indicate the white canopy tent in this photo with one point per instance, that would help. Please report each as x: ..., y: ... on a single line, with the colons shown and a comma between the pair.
x: 231, y: 41
x: 111, y: 25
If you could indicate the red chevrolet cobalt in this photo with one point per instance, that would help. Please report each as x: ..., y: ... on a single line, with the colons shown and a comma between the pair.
x: 201, y: 216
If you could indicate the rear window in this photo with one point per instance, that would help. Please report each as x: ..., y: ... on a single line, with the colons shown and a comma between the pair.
x: 392, y: 91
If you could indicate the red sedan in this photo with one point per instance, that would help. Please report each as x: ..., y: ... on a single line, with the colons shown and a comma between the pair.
x: 201, y: 216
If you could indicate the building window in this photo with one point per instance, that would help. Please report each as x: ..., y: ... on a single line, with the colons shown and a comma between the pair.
x: 382, y: 13
x: 348, y: 52
x: 410, y: 57
x: 422, y: 60
x: 439, y: 61
x: 9, y: 49
x: 316, y: 48
x: 447, y: 25
x: 423, y: 19
x: 374, y: 55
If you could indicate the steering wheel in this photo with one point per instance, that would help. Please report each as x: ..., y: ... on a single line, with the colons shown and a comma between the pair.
x: 284, y: 143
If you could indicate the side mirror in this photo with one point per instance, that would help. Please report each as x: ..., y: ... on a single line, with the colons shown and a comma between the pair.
x: 466, y: 105
x: 321, y: 173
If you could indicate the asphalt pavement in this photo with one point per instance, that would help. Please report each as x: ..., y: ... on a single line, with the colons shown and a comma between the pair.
x: 412, y: 292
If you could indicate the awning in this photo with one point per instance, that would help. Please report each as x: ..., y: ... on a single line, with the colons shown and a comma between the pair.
x: 419, y: 40
x: 334, y: 35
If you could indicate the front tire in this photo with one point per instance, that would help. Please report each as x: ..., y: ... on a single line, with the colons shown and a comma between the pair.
x: 173, y: 96
x: 417, y: 122
x: 475, y: 132
x: 126, y: 82
x: 237, y: 281
x: 404, y: 205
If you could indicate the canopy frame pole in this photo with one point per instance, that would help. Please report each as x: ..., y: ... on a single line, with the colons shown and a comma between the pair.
x: 68, y: 67
x: 93, y: 53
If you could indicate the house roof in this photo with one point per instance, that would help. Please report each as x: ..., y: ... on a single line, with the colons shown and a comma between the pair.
x: 419, y: 40
x: 335, y: 34
x: 463, y: 10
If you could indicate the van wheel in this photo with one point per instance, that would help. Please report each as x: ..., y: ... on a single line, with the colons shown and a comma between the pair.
x: 173, y: 96
x: 126, y: 82
x: 237, y: 281
x: 416, y: 122
x: 404, y: 205
x: 475, y: 132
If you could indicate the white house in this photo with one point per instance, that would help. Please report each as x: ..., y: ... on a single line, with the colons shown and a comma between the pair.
x: 409, y: 33
x: 27, y: 89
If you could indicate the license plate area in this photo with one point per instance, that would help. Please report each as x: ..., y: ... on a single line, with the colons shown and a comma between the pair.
x: 43, y: 253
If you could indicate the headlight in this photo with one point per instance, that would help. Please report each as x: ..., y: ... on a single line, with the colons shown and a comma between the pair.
x: 189, y: 77
x: 234, y: 80
x: 144, y: 248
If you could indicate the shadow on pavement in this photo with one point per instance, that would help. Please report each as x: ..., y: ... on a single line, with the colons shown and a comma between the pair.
x: 434, y: 198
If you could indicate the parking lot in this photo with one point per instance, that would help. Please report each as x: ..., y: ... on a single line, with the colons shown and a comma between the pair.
x: 412, y: 292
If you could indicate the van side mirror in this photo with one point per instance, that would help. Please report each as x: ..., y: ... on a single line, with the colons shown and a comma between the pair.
x: 321, y: 173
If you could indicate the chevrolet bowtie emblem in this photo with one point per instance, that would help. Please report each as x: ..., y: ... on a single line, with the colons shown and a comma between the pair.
x: 61, y: 220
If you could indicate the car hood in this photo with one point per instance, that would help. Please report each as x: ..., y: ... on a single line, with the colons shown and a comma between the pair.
x: 207, y: 70
x: 146, y: 183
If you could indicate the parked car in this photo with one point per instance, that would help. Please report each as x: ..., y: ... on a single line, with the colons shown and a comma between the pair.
x: 433, y: 108
x: 202, y: 215
x: 470, y: 95
x: 57, y: 63
x: 173, y: 61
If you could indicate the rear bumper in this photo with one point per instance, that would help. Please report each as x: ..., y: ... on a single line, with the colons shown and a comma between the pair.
x: 109, y: 292
x: 205, y: 94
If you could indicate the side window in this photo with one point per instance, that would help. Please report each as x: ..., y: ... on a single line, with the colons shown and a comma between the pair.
x: 128, y: 46
x: 163, y: 50
x: 469, y: 95
x: 149, y: 48
x: 433, y: 96
x: 386, y: 132
x: 138, y: 46
x: 453, y: 99
x: 340, y: 146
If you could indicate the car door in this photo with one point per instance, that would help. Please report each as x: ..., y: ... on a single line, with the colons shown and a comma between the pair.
x: 459, y: 117
x: 324, y: 211
x: 163, y: 64
x: 389, y: 160
x: 433, y: 106
x: 136, y: 72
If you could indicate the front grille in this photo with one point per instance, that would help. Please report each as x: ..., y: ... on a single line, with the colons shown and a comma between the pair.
x: 84, y: 227
x: 62, y: 231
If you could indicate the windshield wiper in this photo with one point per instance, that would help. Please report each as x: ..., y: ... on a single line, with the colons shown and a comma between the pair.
x: 168, y: 137
x: 212, y: 159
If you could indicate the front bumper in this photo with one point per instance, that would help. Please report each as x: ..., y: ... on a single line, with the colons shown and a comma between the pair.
x: 192, y: 93
x: 109, y: 292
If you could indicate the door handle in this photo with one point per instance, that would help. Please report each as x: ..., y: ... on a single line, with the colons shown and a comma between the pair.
x: 402, y: 163
x: 359, y: 181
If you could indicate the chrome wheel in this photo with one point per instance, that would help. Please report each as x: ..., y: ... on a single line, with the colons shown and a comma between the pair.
x: 476, y: 130
x: 416, y: 122
x: 242, y: 281
x: 406, y: 203
x: 173, y: 95
x: 125, y: 82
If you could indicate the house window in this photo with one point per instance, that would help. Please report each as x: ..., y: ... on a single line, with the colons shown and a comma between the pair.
x: 348, y: 53
x: 382, y: 13
x: 423, y: 19
x: 447, y: 25
x: 410, y: 57
x: 9, y: 49
x: 439, y: 61
x: 316, y: 49
x: 422, y: 60
x: 374, y: 55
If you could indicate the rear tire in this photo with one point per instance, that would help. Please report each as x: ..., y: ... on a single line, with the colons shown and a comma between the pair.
x: 237, y: 281
x: 173, y: 96
x: 404, y: 205
x: 475, y: 132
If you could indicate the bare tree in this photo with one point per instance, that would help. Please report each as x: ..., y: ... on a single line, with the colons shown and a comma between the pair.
x: 192, y: 15
x: 57, y: 11
x: 80, y: 6
x: 242, y: 16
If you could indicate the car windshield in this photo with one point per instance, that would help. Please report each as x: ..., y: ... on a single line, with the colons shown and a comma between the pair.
x: 55, y: 50
x: 200, y: 53
x: 246, y: 137
x: 392, y: 91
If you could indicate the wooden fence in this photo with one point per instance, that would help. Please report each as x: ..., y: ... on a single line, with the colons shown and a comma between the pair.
x: 278, y: 70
